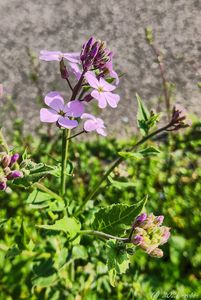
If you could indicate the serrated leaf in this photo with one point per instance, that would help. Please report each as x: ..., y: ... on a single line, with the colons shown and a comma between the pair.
x: 120, y: 184
x: 118, y: 260
x: 71, y: 226
x: 150, y: 151
x: 135, y: 155
x: 116, y: 218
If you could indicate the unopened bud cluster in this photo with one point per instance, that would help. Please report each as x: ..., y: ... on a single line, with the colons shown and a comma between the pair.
x: 7, y: 163
x: 95, y: 54
x: 148, y: 234
x: 179, y: 118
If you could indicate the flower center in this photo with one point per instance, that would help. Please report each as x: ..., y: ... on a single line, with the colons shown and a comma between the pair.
x: 62, y: 113
x: 100, y: 89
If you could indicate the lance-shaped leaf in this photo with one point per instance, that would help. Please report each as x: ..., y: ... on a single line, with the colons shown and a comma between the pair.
x: 120, y: 184
x: 116, y: 218
x: 143, y: 116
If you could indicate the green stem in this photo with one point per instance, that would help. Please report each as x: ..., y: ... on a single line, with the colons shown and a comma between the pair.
x: 65, y: 146
x: 43, y: 188
x: 72, y: 136
x: 3, y: 142
x: 114, y: 165
x: 103, y: 235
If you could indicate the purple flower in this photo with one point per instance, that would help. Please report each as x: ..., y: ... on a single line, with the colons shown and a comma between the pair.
x: 58, y: 55
x: 59, y: 112
x: 179, y: 118
x: 3, y: 185
x: 94, y: 124
x: 159, y: 220
x: 94, y: 53
x: 102, y: 91
x: 75, y: 69
x: 137, y: 240
x: 13, y: 159
x: 14, y: 174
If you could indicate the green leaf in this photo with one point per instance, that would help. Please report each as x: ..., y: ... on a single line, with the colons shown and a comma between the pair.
x: 2, y: 222
x: 150, y: 151
x: 118, y: 260
x: 79, y: 252
x: 38, y: 197
x: 120, y: 184
x: 143, y: 116
x: 116, y: 218
x: 71, y: 226
x: 135, y: 155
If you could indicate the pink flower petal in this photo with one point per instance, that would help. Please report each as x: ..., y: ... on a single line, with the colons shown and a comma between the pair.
x: 73, y: 57
x: 102, y: 103
x: 90, y: 125
x: 92, y: 80
x: 54, y: 100
x: 74, y: 108
x: 50, y: 55
x: 48, y: 115
x: 88, y: 116
x: 101, y: 131
x: 112, y: 99
x: 66, y: 123
x: 75, y: 69
x: 107, y: 86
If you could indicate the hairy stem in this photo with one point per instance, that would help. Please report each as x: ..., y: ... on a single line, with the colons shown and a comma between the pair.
x: 114, y: 165
x: 103, y: 235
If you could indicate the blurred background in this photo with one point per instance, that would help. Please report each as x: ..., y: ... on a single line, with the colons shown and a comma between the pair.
x: 28, y: 26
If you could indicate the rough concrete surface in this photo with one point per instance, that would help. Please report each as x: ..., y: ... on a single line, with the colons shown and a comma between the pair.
x: 65, y: 25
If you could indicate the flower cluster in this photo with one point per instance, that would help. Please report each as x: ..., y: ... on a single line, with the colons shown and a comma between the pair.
x: 7, y: 163
x: 92, y: 68
x: 148, y: 234
x: 179, y: 118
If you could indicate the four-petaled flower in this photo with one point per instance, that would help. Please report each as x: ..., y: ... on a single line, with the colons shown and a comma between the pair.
x: 59, y: 112
x: 58, y: 55
x: 94, y: 124
x: 102, y: 91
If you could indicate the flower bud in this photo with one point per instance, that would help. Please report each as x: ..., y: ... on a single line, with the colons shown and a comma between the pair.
x: 3, y: 185
x: 156, y: 253
x: 13, y: 159
x: 5, y: 161
x: 179, y: 118
x: 63, y: 70
x: 137, y: 240
x: 158, y: 220
x: 14, y: 174
x: 88, y: 98
x: 165, y: 235
x: 140, y: 219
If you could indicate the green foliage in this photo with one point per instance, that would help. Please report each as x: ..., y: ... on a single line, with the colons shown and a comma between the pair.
x: 37, y: 263
x: 145, y: 119
x: 115, y: 219
x: 118, y: 259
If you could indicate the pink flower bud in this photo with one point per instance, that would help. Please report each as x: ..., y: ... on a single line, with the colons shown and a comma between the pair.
x: 14, y: 158
x: 14, y: 174
x: 137, y: 240
x: 159, y: 220
x: 156, y: 253
x: 3, y: 185
x: 5, y: 161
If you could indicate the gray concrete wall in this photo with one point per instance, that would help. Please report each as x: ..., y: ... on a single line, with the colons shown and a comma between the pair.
x: 64, y: 25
